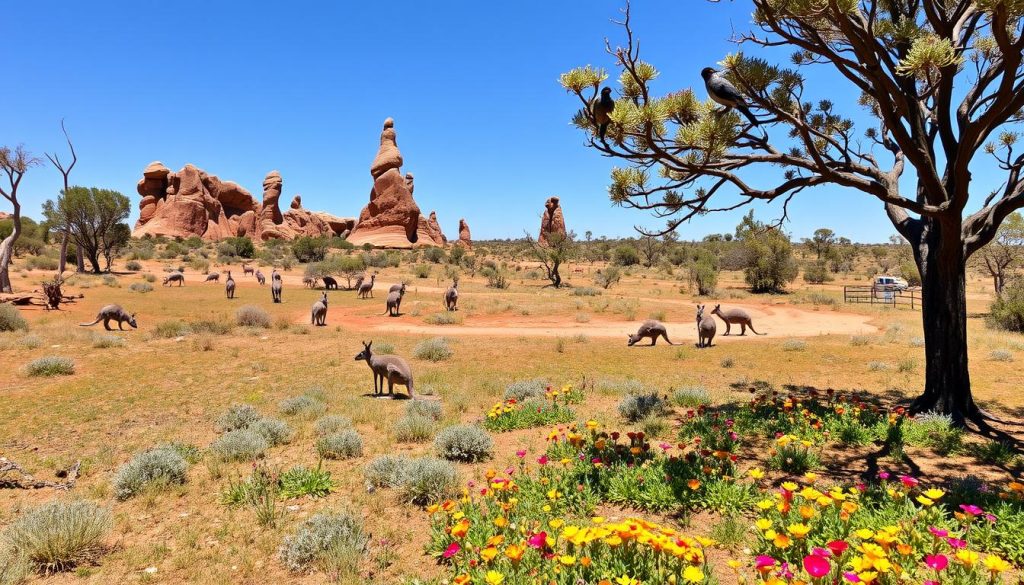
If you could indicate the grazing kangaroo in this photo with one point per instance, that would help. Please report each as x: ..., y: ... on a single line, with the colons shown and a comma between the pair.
x: 113, y: 313
x: 213, y: 277
x: 397, y: 287
x: 366, y: 288
x: 652, y: 330
x: 735, y: 317
x: 330, y: 283
x: 451, y: 297
x: 260, y: 278
x: 706, y: 328
x: 387, y: 367
x: 246, y: 269
x: 275, y: 286
x: 309, y: 281
x: 229, y: 286
x: 174, y: 277
x: 394, y: 302
x: 319, y: 314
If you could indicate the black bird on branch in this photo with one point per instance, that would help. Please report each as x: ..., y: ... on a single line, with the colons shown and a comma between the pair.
x: 722, y: 91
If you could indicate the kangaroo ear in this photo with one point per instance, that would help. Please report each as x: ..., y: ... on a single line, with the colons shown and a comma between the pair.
x: 718, y: 306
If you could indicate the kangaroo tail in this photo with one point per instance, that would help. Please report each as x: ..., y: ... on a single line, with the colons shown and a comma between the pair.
x: 755, y: 332
x: 98, y: 319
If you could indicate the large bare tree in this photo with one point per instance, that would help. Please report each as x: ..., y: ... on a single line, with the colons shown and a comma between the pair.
x: 13, y: 164
x: 940, y: 82
x: 65, y: 170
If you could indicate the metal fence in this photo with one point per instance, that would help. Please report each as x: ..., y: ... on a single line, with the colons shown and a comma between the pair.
x: 882, y: 296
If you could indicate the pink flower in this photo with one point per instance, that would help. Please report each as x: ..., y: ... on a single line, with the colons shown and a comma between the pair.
x: 538, y: 541
x: 908, y: 481
x: 990, y: 517
x: 821, y: 552
x: 838, y: 547
x: 816, y: 566
x: 543, y: 460
x: 521, y: 453
x: 764, y: 562
x: 936, y: 562
x: 452, y: 550
x: 883, y: 475
x: 851, y: 577
x: 665, y: 446
x: 956, y: 542
x: 931, y: 583
x: 938, y: 532
x: 970, y: 509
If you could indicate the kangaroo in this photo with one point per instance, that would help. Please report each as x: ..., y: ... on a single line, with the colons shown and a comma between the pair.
x: 309, y: 281
x: 397, y: 287
x: 330, y: 283
x: 451, y: 297
x: 275, y: 286
x: 229, y: 286
x: 366, y: 288
x: 359, y: 282
x: 652, y: 330
x: 386, y: 367
x: 735, y: 316
x: 706, y: 328
x: 113, y: 313
x: 394, y: 302
x: 260, y: 278
x: 246, y: 269
x: 213, y: 277
x: 319, y: 314
x: 174, y: 277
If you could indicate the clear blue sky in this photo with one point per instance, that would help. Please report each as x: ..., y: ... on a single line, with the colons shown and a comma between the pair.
x: 303, y: 87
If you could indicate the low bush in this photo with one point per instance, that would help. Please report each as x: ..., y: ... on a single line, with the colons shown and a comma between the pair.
x: 341, y: 445
x: 414, y: 428
x: 11, y: 319
x: 1001, y: 355
x: 445, y: 318
x: 239, y: 445
x: 794, y: 345
x: 140, y: 287
x: 156, y: 468
x: 466, y: 443
x: 301, y: 481
x: 102, y: 341
x: 133, y: 265
x: 434, y: 350
x: 306, y: 406
x: 693, y: 397
x: 330, y: 424
x: 252, y: 316
x: 332, y: 542
x: 523, y: 389
x: 427, y: 408
x: 51, y: 365
x: 935, y: 431
x: 276, y: 432
x: 385, y: 471
x: 585, y: 291
x: 636, y: 407
x: 427, y: 480
x: 170, y: 329
x: 238, y: 416
x: 60, y: 535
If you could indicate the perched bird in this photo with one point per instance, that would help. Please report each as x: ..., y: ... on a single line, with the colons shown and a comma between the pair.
x: 722, y: 91
x: 602, y: 110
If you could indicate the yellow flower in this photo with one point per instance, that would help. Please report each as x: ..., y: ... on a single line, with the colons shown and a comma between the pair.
x: 967, y: 558
x: 781, y: 541
x: 995, y: 564
x: 494, y: 578
x: 789, y: 486
x: 756, y: 473
x: 488, y: 554
x: 515, y: 552
x: 763, y: 524
x: 926, y: 502
x: 556, y: 523
x: 597, y: 519
x: 864, y: 533
x: 766, y: 504
x: 626, y: 580
x: 811, y: 476
x: 934, y: 494
x: 693, y: 574
x: 591, y: 424
x: 501, y: 522
x: 461, y: 528
x: 567, y: 560
x: 798, y: 530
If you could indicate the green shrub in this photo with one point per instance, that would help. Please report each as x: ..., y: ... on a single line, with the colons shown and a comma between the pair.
x: 332, y: 542
x: 252, y: 316
x: 238, y: 416
x: 341, y: 445
x: 309, y: 249
x: 276, y: 432
x: 11, y: 319
x: 60, y: 535
x: 434, y: 350
x: 607, y: 278
x: 935, y: 431
x: 523, y: 389
x: 140, y: 287
x: 445, y: 318
x: 636, y: 407
x: 995, y: 452
x: 239, y: 246
x: 51, y: 365
x: 692, y: 397
x: 434, y: 254
x: 414, y: 428
x: 428, y: 408
x: 421, y: 271
x: 427, y: 479
x: 239, y: 445
x: 727, y: 362
x: 704, y: 276
x: 42, y: 263
x: 150, y: 278
x: 1001, y: 355
x: 14, y: 568
x: 305, y: 405
x: 330, y: 424
x: 467, y: 443
x: 170, y: 329
x: 133, y: 265
x: 385, y: 471
x: 300, y: 481
x: 159, y: 467
x: 793, y: 458
x: 817, y: 273
x: 625, y: 255
x: 1007, y: 312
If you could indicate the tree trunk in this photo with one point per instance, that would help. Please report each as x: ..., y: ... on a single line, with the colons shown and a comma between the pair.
x: 940, y: 260
x: 79, y: 258
x: 94, y: 259
x: 7, y: 248
x: 63, y: 252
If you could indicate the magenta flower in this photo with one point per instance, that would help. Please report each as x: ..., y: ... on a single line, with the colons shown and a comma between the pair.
x: 543, y: 460
x: 851, y: 577
x: 452, y: 550
x: 538, y: 541
x: 821, y: 552
x: 816, y: 566
x: 938, y: 532
x: 970, y: 509
x: 936, y: 562
x: 665, y: 446
x: 521, y: 453
x: 883, y: 475
x: 956, y: 542
x: 990, y: 517
x: 838, y: 547
x: 908, y: 481
x: 764, y: 562
x: 931, y: 583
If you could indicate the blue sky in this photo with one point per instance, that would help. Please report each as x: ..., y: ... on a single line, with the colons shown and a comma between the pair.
x: 303, y: 87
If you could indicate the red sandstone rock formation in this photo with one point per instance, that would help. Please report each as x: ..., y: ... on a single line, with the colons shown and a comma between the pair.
x: 464, y: 238
x: 392, y: 219
x: 553, y: 222
x: 435, y: 229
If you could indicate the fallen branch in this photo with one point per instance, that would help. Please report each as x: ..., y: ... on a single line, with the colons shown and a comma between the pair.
x: 27, y: 482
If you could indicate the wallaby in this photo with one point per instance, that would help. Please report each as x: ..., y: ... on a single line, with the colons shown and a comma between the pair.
x: 260, y: 278
x: 330, y: 283
x: 275, y: 286
x: 735, y: 317
x: 229, y: 286
x: 359, y: 282
x: 366, y: 288
x: 451, y: 297
x: 213, y: 277
x: 397, y: 287
x: 319, y: 314
x: 174, y: 277
x: 394, y: 302
x: 113, y: 313
x: 652, y: 330
x: 246, y: 269
x: 706, y: 328
x: 386, y: 367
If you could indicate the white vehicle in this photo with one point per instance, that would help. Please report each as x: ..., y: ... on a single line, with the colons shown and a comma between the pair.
x: 885, y: 286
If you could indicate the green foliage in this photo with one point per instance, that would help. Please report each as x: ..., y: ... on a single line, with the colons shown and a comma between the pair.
x: 60, y: 535
x: 794, y: 458
x: 51, y: 365
x: 428, y: 408
x: 332, y: 542
x: 693, y: 397
x: 341, y: 445
x: 238, y: 416
x: 434, y: 254
x: 94, y: 219
x: 625, y: 255
x: 252, y: 316
x: 467, y: 443
x: 159, y: 467
x: 434, y: 350
x: 934, y: 431
x: 11, y: 319
x: 770, y: 265
x: 1007, y: 312
x: 608, y: 277
x: 704, y: 275
x: 817, y: 273
x: 533, y: 412
x: 240, y: 246
x: 636, y: 407
x: 300, y: 481
x: 524, y: 389
x: 310, y: 249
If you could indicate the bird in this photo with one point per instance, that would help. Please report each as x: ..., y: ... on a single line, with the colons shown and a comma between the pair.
x: 722, y: 91
x: 602, y: 110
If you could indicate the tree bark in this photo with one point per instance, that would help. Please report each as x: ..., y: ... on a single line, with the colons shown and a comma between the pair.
x: 940, y: 259
x: 63, y: 252
x: 7, y: 249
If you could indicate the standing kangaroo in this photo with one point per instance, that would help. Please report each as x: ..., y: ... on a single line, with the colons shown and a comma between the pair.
x: 246, y: 269
x: 397, y: 287
x: 394, y: 302
x: 735, y: 317
x: 319, y: 313
x: 260, y: 278
x: 706, y: 328
x: 652, y: 330
x: 113, y: 313
x: 275, y: 286
x: 174, y: 277
x: 386, y: 367
x: 451, y: 297
x: 359, y: 282
x: 213, y: 277
x: 330, y: 283
x: 366, y: 288
x: 229, y: 286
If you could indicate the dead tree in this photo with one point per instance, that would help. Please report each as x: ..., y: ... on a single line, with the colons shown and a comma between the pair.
x: 14, y: 164
x: 66, y: 172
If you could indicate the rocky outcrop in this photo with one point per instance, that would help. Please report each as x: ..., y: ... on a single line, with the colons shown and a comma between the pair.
x: 4, y: 215
x: 435, y: 229
x: 465, y: 239
x: 552, y: 222
x: 192, y: 202
x: 392, y: 219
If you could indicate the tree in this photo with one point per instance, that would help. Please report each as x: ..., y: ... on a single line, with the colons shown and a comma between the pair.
x: 1004, y: 252
x: 65, y: 171
x: 902, y: 60
x: 821, y: 242
x: 113, y: 241
x: 651, y: 249
x: 13, y: 164
x: 559, y: 249
x: 91, y: 215
x: 770, y: 265
x: 309, y: 249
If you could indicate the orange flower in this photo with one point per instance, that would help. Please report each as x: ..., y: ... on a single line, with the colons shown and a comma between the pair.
x: 460, y: 529
x: 693, y: 484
